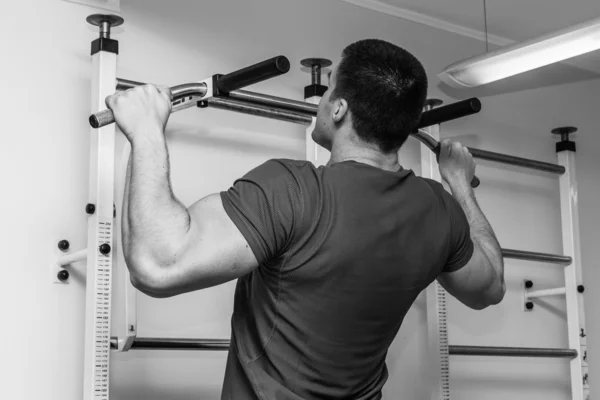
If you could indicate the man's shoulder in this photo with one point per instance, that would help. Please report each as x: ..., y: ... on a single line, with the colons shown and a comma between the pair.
x: 288, y: 166
x: 288, y: 162
x: 277, y: 171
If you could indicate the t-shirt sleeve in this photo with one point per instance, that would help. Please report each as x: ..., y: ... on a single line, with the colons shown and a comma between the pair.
x: 461, y: 245
x: 265, y: 205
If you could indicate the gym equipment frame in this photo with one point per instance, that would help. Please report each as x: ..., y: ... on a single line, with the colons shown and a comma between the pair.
x: 225, y: 92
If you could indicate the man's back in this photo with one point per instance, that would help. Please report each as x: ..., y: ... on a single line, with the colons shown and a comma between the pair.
x: 357, y: 245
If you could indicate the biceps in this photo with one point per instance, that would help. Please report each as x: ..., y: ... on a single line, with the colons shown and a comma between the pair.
x: 214, y: 252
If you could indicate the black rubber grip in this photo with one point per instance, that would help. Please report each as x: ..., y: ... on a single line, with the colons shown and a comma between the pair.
x: 253, y: 74
x: 450, y: 112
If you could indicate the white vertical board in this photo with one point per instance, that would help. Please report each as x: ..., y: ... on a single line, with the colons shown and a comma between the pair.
x: 100, y: 232
x: 437, y: 319
x: 577, y: 333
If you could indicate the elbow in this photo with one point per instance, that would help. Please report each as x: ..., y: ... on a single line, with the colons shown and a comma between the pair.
x: 149, y: 279
x: 148, y: 286
x: 494, y: 296
x: 497, y: 293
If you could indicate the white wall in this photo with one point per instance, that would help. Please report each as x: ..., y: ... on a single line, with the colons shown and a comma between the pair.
x: 45, y: 163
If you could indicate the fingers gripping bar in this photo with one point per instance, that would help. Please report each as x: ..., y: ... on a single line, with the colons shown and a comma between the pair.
x: 106, y: 117
x: 443, y: 114
x: 223, y: 84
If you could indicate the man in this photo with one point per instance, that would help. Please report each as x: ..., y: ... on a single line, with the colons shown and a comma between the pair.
x: 328, y: 260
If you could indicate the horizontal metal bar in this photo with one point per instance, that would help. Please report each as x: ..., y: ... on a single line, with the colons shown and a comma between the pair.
x: 176, y: 344
x: 224, y: 103
x: 532, y: 256
x: 72, y: 258
x: 518, y: 161
x: 274, y: 101
x: 545, y: 293
x: 511, y: 352
x: 197, y: 89
x: 125, y: 84
x: 450, y: 112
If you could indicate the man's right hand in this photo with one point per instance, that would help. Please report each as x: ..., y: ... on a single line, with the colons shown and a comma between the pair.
x: 141, y: 111
x: 456, y: 163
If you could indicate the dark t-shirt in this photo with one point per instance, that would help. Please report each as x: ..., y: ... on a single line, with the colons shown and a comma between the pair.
x: 344, y: 250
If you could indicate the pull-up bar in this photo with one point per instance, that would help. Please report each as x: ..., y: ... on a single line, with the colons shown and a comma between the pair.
x: 283, y: 109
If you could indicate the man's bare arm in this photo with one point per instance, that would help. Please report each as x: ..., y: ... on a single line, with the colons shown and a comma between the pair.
x: 480, y: 282
x: 169, y: 249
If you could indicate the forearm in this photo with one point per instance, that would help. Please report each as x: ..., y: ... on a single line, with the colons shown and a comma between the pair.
x: 155, y: 223
x: 481, y: 231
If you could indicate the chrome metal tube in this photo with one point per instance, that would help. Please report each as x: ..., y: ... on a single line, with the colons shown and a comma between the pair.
x: 511, y: 352
x: 124, y: 84
x: 274, y: 101
x: 72, y: 258
x: 188, y: 90
x: 197, y: 89
x: 518, y: 161
x: 541, y: 257
x: 224, y: 103
x: 545, y: 293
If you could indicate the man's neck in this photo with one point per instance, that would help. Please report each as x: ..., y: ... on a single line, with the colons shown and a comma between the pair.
x: 366, y: 154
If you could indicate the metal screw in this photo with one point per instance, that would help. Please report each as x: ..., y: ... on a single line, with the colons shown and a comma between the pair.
x: 528, y: 284
x: 580, y: 288
x: 131, y: 328
x: 529, y: 305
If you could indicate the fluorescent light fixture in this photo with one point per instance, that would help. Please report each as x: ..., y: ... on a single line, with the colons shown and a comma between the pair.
x: 522, y: 57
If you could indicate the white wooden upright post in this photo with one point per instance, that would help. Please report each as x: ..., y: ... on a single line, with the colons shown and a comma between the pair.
x: 100, y: 244
x: 437, y: 319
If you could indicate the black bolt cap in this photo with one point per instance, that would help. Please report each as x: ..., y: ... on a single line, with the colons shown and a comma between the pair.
x: 105, y: 248
x: 63, y: 275
x: 90, y: 209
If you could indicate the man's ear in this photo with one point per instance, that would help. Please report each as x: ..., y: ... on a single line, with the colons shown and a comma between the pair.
x: 340, y: 109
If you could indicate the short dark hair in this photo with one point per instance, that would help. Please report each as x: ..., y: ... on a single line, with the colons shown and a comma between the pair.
x: 385, y: 87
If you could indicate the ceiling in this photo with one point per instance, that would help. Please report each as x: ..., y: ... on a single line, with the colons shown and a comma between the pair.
x: 508, y: 20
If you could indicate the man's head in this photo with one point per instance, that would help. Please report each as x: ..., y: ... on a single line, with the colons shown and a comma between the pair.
x: 377, y: 92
